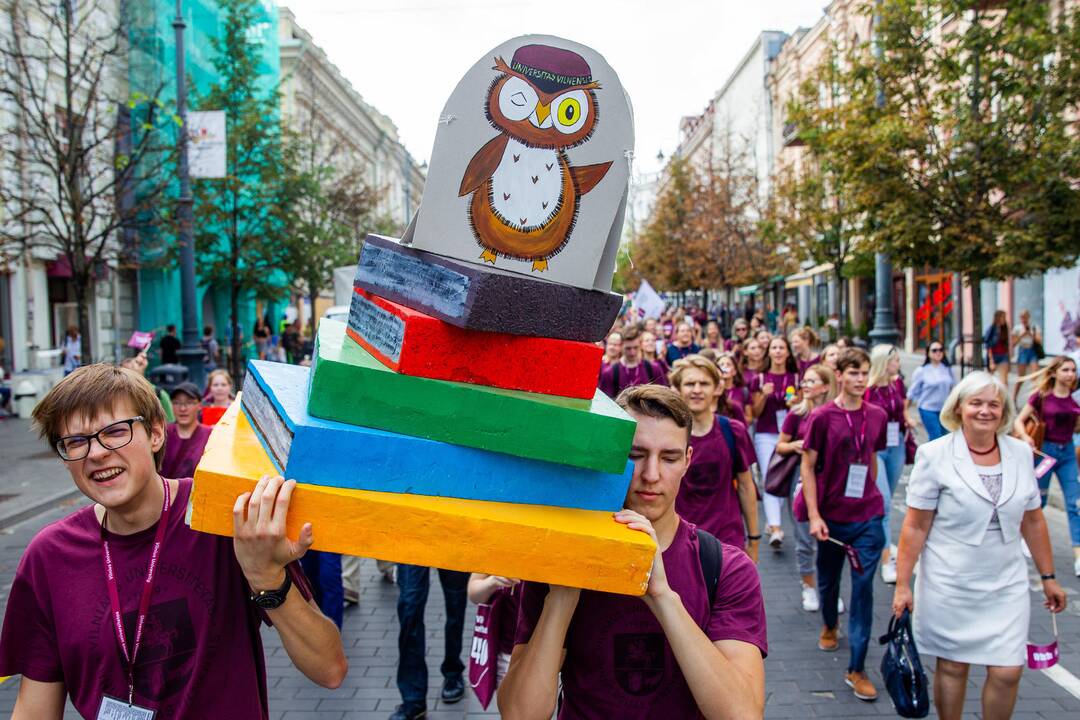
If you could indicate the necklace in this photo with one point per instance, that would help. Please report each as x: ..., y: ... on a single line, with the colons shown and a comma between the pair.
x: 993, y: 447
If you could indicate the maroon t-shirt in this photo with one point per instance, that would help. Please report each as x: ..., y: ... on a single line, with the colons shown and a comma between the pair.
x: 201, y: 654
x: 794, y: 426
x: 183, y: 454
x: 708, y: 496
x: 643, y: 373
x: 737, y: 398
x: 1059, y: 414
x: 618, y: 662
x: 806, y: 364
x: 842, y: 438
x: 774, y: 401
x: 890, y: 398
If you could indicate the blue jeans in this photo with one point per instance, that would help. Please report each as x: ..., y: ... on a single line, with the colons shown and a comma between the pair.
x: 323, y: 570
x: 1066, y: 471
x: 889, y: 468
x: 413, y: 584
x: 868, y: 540
x: 931, y: 420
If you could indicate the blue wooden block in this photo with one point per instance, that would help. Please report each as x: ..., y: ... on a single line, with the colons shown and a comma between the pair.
x: 324, y: 452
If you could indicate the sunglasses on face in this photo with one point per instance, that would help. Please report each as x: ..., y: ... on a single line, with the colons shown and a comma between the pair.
x: 936, y: 349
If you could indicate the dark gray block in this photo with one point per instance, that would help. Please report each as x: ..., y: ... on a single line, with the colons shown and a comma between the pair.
x: 483, y: 298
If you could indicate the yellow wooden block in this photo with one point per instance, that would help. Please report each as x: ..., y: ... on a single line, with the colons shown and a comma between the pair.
x: 576, y: 548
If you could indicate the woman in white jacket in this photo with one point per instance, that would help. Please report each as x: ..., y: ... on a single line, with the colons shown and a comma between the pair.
x: 972, y: 495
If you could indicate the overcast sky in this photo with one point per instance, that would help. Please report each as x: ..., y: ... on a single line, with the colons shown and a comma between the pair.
x: 405, y: 56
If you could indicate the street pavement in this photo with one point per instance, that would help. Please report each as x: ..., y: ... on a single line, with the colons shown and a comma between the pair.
x: 801, y: 681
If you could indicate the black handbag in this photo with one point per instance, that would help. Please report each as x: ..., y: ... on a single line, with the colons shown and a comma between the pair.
x: 902, y: 670
x: 780, y: 473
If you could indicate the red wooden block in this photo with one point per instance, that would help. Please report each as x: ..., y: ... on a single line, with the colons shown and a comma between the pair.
x: 416, y: 344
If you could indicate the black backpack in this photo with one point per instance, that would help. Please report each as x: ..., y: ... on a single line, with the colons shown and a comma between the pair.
x: 711, y: 555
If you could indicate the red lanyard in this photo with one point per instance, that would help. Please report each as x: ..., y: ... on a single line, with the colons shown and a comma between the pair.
x: 144, y: 601
x: 860, y: 439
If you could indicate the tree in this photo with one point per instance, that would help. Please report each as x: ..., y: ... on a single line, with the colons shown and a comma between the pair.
x: 660, y: 255
x: 83, y: 160
x: 956, y: 136
x: 242, y: 219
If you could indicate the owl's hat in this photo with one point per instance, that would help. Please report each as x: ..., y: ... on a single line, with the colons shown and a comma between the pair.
x: 551, y: 69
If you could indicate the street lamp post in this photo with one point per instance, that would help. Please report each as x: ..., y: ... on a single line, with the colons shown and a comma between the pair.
x: 191, y: 352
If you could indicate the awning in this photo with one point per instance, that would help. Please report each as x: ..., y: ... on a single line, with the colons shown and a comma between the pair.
x: 798, y: 280
x: 818, y: 269
x: 747, y: 289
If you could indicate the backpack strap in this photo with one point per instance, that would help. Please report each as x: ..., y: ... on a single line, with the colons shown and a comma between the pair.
x: 650, y: 371
x: 729, y: 436
x: 615, y: 367
x: 711, y: 555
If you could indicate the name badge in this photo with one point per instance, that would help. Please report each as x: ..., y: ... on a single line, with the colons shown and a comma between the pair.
x: 856, y: 481
x: 113, y: 709
x: 780, y: 416
x: 892, y: 434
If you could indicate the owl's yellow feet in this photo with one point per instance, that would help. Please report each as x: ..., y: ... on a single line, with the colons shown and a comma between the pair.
x: 539, y: 265
x: 488, y: 256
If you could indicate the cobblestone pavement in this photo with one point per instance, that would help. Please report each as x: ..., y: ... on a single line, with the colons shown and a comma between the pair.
x: 800, y: 681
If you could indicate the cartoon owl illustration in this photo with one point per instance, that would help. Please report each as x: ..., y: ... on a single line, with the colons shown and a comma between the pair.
x: 525, y: 192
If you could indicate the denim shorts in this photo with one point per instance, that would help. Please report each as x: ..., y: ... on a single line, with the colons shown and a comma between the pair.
x: 1026, y: 356
x: 999, y: 359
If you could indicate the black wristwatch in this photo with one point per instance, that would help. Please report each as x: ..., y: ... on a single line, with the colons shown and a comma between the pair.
x: 1049, y: 576
x: 270, y: 599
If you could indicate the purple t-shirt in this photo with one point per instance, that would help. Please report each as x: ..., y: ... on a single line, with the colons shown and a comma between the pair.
x: 806, y: 364
x: 839, y: 445
x: 183, y: 454
x: 643, y: 373
x: 201, y: 653
x: 794, y: 427
x: 890, y: 398
x: 737, y: 398
x: 707, y: 496
x: 1059, y: 414
x: 774, y: 401
x: 618, y: 662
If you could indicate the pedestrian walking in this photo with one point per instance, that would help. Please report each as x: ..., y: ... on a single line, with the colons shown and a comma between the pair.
x: 653, y: 350
x: 87, y: 585
x: 683, y: 344
x: 818, y: 389
x: 971, y: 497
x: 612, y: 348
x: 803, y: 341
x: 684, y: 649
x: 712, y: 339
x: 71, y: 349
x: 829, y: 355
x: 774, y: 391
x: 737, y: 394
x: 211, y: 349
x: 186, y: 438
x: 843, y: 504
x: 885, y: 388
x: 261, y: 334
x: 1027, y: 339
x: 754, y: 361
x: 740, y: 330
x: 1052, y: 404
x: 996, y: 339
x: 631, y: 368
x: 218, y: 396
x: 718, y: 493
x: 764, y: 337
x: 169, y: 346
x: 414, y: 582
x: 931, y: 383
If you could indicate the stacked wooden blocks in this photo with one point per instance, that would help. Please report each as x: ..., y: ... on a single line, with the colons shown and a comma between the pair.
x: 423, y: 434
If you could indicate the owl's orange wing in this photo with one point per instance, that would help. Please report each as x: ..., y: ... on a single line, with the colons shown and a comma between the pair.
x: 586, y: 177
x: 483, y: 164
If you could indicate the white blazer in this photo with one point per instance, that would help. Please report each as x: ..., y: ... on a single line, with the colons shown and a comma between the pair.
x: 946, y: 479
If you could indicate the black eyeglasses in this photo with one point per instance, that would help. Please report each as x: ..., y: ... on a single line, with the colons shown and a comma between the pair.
x: 937, y: 349
x: 110, y: 437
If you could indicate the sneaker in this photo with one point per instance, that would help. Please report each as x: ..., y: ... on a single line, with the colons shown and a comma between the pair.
x: 888, y: 572
x: 1076, y: 567
x: 829, y: 640
x: 409, y: 712
x: 776, y: 539
x: 864, y: 689
x: 453, y: 689
x: 810, y: 601
x: 840, y: 606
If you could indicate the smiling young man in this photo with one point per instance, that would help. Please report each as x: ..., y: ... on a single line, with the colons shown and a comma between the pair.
x: 670, y: 654
x: 128, y: 611
x: 838, y: 473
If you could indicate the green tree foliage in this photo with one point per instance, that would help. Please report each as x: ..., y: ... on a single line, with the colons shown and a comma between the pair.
x: 241, y: 220
x: 955, y: 132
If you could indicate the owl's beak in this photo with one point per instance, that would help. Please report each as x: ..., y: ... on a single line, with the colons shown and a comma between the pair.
x: 542, y: 113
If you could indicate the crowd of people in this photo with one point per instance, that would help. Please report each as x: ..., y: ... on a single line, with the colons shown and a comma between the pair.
x: 736, y: 426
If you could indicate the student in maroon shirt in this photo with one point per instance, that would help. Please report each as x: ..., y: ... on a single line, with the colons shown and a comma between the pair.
x: 774, y: 392
x: 669, y: 654
x: 632, y: 369
x: 843, y: 503
x: 718, y: 493
x: 71, y: 626
x: 803, y: 341
x: 186, y: 438
x: 736, y: 392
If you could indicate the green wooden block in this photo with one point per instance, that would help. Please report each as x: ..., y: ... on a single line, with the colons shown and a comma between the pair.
x: 351, y: 386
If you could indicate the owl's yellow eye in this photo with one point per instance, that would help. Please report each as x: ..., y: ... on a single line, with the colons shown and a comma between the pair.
x: 569, y: 111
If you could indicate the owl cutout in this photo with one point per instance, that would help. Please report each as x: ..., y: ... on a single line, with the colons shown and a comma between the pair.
x: 531, y: 165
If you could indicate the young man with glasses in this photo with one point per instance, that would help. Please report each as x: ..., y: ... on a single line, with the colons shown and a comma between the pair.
x: 186, y: 438
x: 123, y: 607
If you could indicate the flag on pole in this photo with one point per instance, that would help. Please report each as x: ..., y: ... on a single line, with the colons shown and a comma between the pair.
x: 648, y: 302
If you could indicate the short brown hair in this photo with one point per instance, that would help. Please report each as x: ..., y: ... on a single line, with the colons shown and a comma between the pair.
x: 851, y: 357
x: 656, y: 401
x: 93, y: 389
x: 631, y: 332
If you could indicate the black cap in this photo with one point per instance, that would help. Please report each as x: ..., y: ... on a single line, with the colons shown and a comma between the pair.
x: 187, y: 388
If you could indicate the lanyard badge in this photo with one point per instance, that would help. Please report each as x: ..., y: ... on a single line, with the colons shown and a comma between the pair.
x: 129, y: 655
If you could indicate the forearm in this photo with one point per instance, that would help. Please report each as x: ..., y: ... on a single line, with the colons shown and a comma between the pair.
x: 757, y: 404
x: 1033, y: 528
x: 311, y: 640
x: 910, y: 546
x: 530, y: 687
x: 721, y: 688
x: 748, y: 502
x: 809, y: 484
x: 784, y: 444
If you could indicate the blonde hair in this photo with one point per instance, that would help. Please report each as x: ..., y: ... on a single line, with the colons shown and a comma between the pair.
x: 695, y: 361
x: 879, y: 364
x: 826, y: 374
x: 973, y: 384
x: 220, y: 372
x: 807, y: 334
x: 1043, y: 378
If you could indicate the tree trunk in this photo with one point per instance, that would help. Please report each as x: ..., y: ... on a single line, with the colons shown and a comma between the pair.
x: 83, y: 312
x: 840, y: 297
x: 976, y: 322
